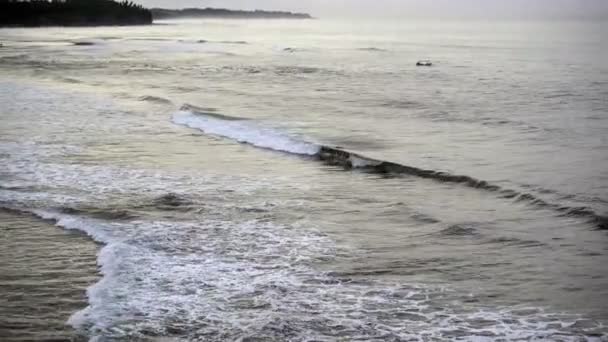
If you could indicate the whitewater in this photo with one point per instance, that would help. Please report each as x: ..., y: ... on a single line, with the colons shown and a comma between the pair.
x: 307, y: 185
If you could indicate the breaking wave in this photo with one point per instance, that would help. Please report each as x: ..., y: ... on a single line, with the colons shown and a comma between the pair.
x: 251, y: 133
x: 227, y: 275
x: 243, y: 131
x: 254, y: 279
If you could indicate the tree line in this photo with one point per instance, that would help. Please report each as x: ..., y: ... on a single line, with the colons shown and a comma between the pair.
x: 161, y: 13
x: 72, y: 13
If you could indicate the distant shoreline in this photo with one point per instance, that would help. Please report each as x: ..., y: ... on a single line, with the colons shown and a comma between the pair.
x: 221, y: 13
x: 78, y: 13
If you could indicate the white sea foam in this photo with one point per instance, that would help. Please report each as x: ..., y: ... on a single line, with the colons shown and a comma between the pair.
x: 245, y: 132
x: 252, y: 278
x: 216, y: 275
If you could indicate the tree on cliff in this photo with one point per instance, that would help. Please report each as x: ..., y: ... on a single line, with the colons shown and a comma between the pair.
x: 72, y: 13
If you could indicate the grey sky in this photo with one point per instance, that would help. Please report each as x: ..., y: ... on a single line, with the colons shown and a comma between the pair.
x: 553, y: 9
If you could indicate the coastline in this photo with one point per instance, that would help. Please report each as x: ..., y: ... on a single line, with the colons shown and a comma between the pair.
x: 20, y: 26
x: 222, y: 13
x: 17, y: 14
x: 72, y: 13
x: 44, y: 273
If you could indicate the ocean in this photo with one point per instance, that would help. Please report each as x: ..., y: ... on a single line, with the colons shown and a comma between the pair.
x: 304, y: 180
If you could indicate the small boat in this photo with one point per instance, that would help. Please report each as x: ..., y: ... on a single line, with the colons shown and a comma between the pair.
x: 425, y: 62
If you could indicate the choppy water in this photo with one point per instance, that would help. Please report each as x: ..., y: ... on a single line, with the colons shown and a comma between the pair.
x: 305, y: 181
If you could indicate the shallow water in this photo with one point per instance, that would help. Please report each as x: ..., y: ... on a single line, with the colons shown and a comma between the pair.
x: 44, y: 275
x: 473, y: 206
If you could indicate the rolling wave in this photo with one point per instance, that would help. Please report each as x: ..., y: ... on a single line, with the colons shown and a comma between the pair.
x: 247, y: 132
x: 243, y: 131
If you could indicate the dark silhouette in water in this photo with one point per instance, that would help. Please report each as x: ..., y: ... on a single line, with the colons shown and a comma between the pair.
x: 337, y: 156
x: 72, y: 13
x: 349, y: 160
x: 161, y: 13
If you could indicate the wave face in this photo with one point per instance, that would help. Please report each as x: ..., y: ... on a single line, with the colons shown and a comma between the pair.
x: 243, y: 131
x: 253, y: 134
x: 189, y: 254
x: 348, y: 160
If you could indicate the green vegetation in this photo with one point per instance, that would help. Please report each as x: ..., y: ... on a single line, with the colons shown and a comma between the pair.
x: 72, y: 13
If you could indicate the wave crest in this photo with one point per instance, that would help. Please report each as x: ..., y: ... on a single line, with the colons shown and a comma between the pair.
x: 250, y: 133
x: 243, y: 131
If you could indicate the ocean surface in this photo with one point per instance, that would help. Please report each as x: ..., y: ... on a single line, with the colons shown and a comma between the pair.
x: 305, y: 181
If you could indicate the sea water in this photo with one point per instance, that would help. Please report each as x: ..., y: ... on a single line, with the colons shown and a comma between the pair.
x: 306, y: 181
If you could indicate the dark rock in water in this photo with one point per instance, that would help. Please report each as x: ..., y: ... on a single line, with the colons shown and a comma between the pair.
x: 202, y: 41
x: 83, y: 43
x: 289, y: 49
x: 171, y: 200
x: 424, y: 63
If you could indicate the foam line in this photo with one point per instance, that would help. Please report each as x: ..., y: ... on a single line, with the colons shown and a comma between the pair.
x: 243, y: 131
x: 250, y: 133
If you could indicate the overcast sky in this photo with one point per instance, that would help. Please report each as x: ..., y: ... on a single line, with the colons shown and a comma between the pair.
x: 524, y: 9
